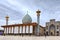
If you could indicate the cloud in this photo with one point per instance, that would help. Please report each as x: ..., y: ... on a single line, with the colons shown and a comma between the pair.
x: 16, y: 9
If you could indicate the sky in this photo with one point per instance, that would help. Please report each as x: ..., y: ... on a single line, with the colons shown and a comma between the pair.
x: 17, y: 9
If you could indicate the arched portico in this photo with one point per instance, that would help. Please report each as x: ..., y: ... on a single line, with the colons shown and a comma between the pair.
x: 52, y: 30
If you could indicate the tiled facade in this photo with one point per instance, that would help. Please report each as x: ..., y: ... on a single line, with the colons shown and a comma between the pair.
x: 53, y: 28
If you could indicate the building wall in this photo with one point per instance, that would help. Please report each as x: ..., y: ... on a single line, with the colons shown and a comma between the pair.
x: 42, y: 31
x: 56, y: 24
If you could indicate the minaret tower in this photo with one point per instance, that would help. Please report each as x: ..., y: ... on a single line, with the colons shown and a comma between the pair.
x: 7, y: 17
x: 38, y: 17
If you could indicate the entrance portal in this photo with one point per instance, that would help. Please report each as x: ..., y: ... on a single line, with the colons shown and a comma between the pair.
x: 52, y: 30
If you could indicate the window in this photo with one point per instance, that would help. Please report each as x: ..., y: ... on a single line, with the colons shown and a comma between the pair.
x: 46, y: 27
x: 57, y: 33
x: 57, y: 26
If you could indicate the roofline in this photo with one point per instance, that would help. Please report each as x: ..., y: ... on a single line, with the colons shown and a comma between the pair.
x: 20, y: 24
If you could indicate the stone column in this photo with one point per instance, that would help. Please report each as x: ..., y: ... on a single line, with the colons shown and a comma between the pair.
x: 29, y: 29
x: 13, y: 29
x: 6, y: 30
x: 22, y: 29
x: 25, y: 29
x: 18, y: 29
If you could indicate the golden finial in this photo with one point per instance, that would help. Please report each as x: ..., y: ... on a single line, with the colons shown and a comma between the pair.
x: 38, y: 12
x: 7, y: 16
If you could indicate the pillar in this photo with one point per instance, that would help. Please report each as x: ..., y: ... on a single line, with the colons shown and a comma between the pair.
x: 38, y: 17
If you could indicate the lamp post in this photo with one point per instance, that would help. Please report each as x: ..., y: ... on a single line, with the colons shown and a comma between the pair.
x: 38, y: 17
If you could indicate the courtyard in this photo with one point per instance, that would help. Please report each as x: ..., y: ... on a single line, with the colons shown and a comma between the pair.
x: 29, y: 38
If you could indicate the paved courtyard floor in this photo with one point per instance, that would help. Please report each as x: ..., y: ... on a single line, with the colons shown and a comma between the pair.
x: 29, y: 38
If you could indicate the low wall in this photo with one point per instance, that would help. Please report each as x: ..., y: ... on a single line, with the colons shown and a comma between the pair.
x: 29, y: 38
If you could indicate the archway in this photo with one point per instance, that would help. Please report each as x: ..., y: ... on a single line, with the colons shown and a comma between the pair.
x: 52, y: 30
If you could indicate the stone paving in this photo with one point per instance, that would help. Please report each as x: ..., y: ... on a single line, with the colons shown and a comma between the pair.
x: 29, y: 38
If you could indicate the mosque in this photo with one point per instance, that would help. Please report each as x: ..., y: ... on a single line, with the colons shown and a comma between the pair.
x: 26, y: 28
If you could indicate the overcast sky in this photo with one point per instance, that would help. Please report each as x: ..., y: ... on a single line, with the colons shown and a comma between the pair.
x: 16, y: 9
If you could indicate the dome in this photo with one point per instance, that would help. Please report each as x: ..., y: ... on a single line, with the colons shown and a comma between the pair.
x: 26, y: 19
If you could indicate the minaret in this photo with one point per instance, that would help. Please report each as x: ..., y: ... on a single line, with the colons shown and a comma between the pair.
x: 38, y: 17
x: 7, y: 17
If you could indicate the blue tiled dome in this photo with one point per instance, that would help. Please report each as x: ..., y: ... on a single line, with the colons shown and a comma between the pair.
x: 26, y: 19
